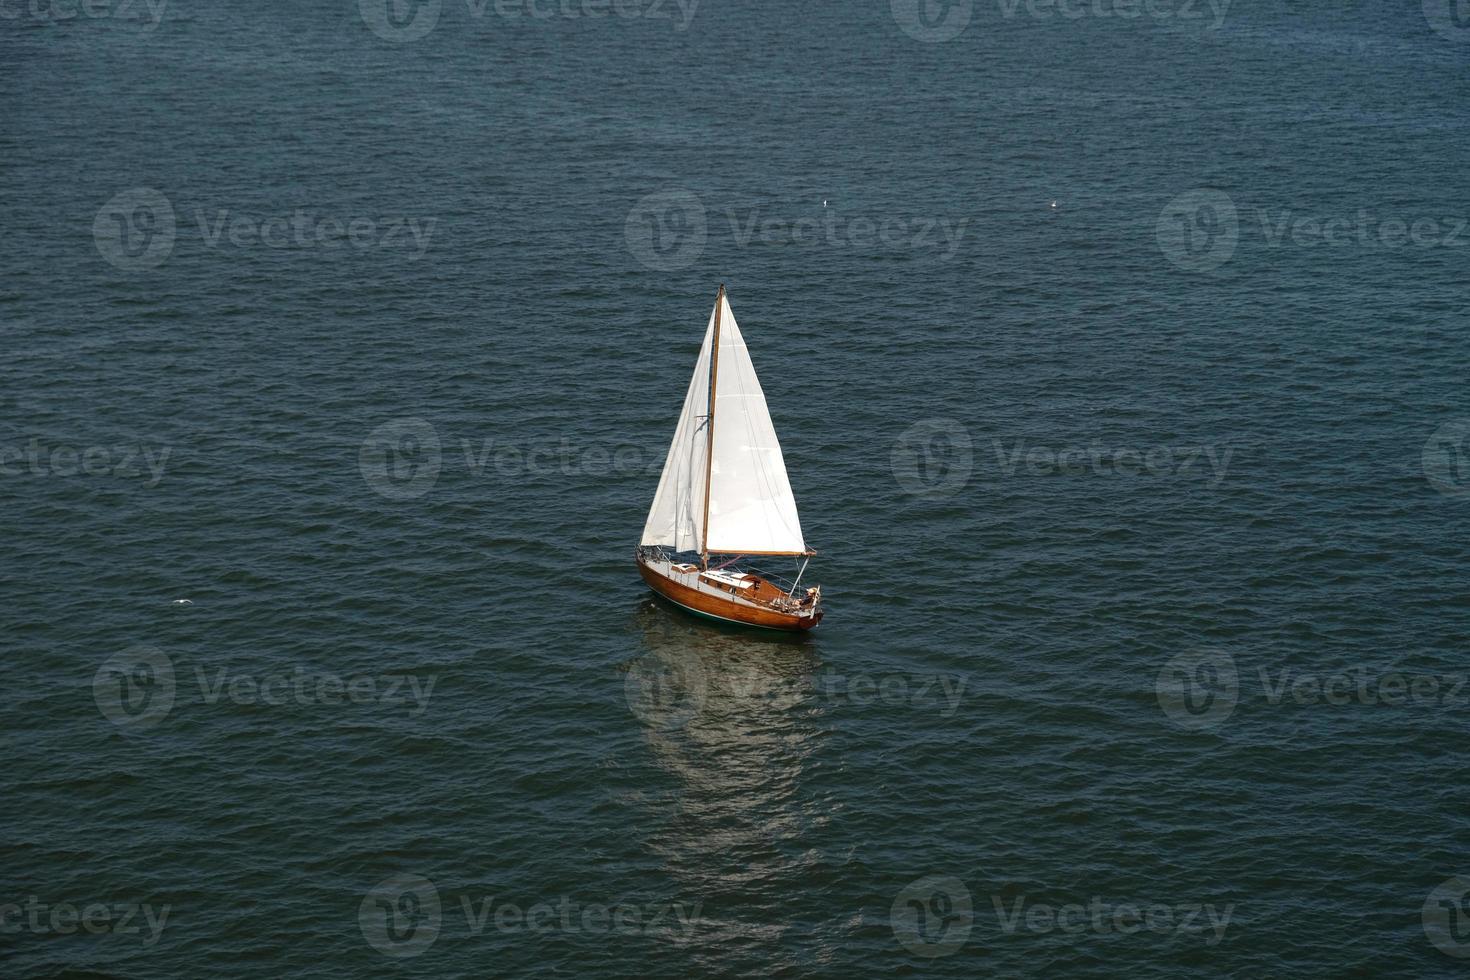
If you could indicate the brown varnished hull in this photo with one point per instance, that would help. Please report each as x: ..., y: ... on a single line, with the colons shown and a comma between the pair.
x: 712, y: 605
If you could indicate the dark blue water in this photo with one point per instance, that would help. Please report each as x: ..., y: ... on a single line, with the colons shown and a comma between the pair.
x: 1119, y: 362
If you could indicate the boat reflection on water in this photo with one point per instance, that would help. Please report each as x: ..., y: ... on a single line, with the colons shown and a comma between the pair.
x: 733, y: 715
x: 709, y: 672
x: 704, y: 674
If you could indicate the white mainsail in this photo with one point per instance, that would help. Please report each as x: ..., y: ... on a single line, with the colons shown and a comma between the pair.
x: 751, y: 507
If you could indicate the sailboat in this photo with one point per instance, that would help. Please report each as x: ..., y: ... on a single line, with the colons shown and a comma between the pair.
x: 724, y: 498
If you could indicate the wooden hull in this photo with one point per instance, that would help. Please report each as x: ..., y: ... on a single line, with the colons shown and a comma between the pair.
x: 719, y: 607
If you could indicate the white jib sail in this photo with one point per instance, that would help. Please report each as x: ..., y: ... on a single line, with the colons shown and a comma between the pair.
x: 751, y: 506
x: 676, y: 519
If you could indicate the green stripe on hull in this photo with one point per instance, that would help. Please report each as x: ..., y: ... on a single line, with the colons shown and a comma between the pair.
x: 721, y: 619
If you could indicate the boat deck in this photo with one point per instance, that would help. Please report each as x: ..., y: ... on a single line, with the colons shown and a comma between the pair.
x: 745, y: 585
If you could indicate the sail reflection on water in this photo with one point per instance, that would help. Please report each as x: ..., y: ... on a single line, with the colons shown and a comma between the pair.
x: 733, y: 717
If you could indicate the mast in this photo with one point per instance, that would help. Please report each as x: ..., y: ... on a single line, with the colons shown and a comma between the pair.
x: 709, y: 446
